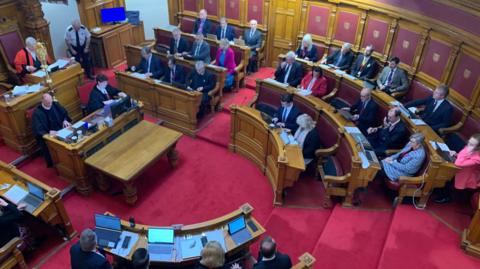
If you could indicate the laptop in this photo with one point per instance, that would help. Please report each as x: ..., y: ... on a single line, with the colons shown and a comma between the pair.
x: 238, y: 231
x: 108, y: 230
x: 160, y: 243
x: 444, y: 154
x: 32, y: 199
x: 239, y: 42
x: 212, y: 37
x: 346, y: 114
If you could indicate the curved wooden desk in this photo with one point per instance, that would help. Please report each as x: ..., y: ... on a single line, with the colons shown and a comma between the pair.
x: 186, y: 232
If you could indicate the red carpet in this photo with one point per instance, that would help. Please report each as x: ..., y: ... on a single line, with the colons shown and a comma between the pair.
x: 218, y: 131
x: 307, y: 192
x: 418, y: 240
x: 242, y: 97
x: 263, y: 73
x: 352, y: 238
x: 37, y: 168
x: 7, y: 154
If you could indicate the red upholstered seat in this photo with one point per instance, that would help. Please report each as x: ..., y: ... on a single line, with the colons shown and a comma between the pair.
x: 396, y: 185
x: 327, y: 130
x: 305, y: 108
x: 163, y: 37
x: 238, y: 54
x: 29, y: 113
x: 215, y: 25
x: 213, y: 50
x: 11, y: 43
x: 238, y: 31
x: 269, y: 96
x: 348, y: 94
x: 418, y: 90
x: 187, y: 24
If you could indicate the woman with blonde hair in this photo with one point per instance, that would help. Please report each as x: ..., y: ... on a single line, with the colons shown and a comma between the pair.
x: 307, y: 50
x: 212, y: 256
x: 226, y: 58
x: 307, y: 137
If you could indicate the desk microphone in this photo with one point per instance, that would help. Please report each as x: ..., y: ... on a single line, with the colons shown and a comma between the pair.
x: 132, y: 222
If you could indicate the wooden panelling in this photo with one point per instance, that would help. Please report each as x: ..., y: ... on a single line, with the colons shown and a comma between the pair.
x: 464, y: 78
x: 90, y: 10
x: 408, y: 44
x: 348, y: 27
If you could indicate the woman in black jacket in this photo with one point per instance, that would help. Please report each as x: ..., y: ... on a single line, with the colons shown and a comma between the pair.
x: 307, y: 137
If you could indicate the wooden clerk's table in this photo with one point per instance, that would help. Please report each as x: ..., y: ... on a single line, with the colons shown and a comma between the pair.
x: 132, y: 153
x: 184, y: 232
x: 51, y: 211
x: 15, y: 126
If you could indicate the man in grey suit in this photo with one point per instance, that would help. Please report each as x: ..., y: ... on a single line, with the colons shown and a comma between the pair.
x: 393, y: 78
x: 253, y: 39
x: 200, y: 50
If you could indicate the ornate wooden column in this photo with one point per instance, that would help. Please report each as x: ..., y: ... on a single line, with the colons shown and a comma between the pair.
x: 35, y: 24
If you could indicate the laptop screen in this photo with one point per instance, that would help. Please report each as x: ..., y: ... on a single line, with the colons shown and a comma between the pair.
x: 236, y: 225
x: 107, y: 222
x: 160, y: 235
x: 35, y: 190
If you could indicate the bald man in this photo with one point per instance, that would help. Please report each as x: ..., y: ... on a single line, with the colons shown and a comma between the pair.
x: 270, y: 258
x: 48, y: 118
x: 77, y: 38
x: 26, y: 60
x: 364, y: 111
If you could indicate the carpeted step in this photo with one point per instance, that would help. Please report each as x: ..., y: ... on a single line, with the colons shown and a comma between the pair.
x: 37, y: 168
x: 218, y: 131
x: 352, y: 238
x: 243, y: 97
x: 417, y: 239
x: 306, y: 192
x: 263, y: 73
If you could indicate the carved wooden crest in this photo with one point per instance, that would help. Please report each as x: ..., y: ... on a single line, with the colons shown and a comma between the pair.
x: 318, y: 19
x: 436, y: 57
x: 255, y: 8
x: 346, y: 25
x: 376, y: 34
x: 466, y: 73
x: 405, y: 44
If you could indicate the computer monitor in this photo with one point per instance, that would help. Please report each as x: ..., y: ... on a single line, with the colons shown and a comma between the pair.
x: 116, y: 14
x: 160, y: 236
x: 107, y: 222
x: 119, y: 107
x: 36, y: 191
x: 236, y: 225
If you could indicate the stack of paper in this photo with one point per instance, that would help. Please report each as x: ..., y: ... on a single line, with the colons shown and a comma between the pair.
x: 340, y: 72
x: 303, y: 92
x: 352, y: 130
x: 349, y: 76
x: 60, y: 63
x: 418, y: 122
x: 138, y: 75
x: 24, y: 89
x: 40, y: 74
x: 271, y: 80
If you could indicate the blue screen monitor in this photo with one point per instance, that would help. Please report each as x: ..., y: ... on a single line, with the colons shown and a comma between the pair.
x: 107, y: 222
x: 160, y: 235
x: 236, y: 225
x: 115, y: 14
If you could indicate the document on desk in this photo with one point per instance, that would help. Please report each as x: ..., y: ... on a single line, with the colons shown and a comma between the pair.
x: 339, y: 72
x: 123, y: 252
x: 191, y: 247
x: 443, y: 146
x: 324, y: 66
x: 271, y: 80
x: 364, y: 159
x: 40, y: 74
x: 15, y: 194
x: 349, y: 76
x: 352, y: 130
x: 304, y: 92
x: 60, y: 63
x: 418, y: 122
x: 64, y: 133
x: 138, y: 75
x: 24, y: 89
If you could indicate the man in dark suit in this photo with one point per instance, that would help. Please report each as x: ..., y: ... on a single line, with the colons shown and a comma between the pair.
x: 150, y: 65
x: 202, y: 81
x: 225, y: 31
x: 253, y: 39
x: 341, y: 59
x: 270, y: 258
x: 391, y: 135
x: 365, y: 67
x: 202, y: 24
x: 286, y: 116
x: 83, y: 255
x: 438, y: 111
x: 289, y: 71
x: 393, y: 78
x: 364, y: 111
x: 102, y: 94
x: 175, y: 72
x: 9, y: 217
x: 178, y: 44
x: 200, y: 50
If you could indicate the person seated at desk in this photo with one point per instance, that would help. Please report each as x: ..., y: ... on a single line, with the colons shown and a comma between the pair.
x: 200, y: 50
x: 102, y: 94
x: 26, y: 60
x: 202, y: 81
x: 174, y: 73
x: 393, y: 78
x: 149, y: 65
x: 270, y: 258
x: 253, y: 39
x: 286, y: 116
x: 289, y: 71
x: 315, y: 82
x: 307, y: 137
x: 341, y: 59
x: 225, y: 31
x: 408, y: 161
x: 84, y: 255
x: 365, y: 67
x: 178, y: 44
x: 140, y: 260
x: 212, y: 256
x: 202, y: 24
x: 48, y: 118
x: 226, y: 58
x: 390, y: 135
x: 10, y: 215
x: 307, y: 50
x: 438, y: 111
x: 364, y: 110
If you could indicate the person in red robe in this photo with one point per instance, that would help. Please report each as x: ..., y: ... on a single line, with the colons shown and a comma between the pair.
x: 27, y: 61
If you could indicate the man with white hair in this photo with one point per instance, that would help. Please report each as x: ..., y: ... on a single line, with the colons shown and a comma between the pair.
x: 253, y: 39
x: 84, y: 254
x: 26, y: 60
x: 202, y: 24
x: 178, y: 44
x: 77, y: 38
x: 341, y: 59
x: 289, y: 71
x: 202, y: 81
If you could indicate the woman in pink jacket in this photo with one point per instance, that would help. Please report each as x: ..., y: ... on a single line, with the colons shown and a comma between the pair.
x: 226, y: 58
x: 468, y: 159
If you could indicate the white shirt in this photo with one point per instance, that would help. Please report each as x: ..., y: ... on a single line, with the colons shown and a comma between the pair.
x: 149, y: 62
x: 288, y: 68
x: 33, y: 53
x: 103, y: 90
x: 71, y: 37
x: 439, y: 102
x: 286, y: 112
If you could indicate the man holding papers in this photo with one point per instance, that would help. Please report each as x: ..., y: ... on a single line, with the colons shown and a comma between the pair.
x: 150, y: 65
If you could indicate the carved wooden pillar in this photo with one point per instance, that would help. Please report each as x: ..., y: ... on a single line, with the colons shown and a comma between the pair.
x: 35, y: 24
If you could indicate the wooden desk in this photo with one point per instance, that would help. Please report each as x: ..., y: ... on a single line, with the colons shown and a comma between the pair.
x: 471, y: 235
x: 251, y: 137
x: 107, y: 43
x: 51, y: 211
x: 69, y: 159
x: 15, y: 125
x: 132, y: 153
x: 193, y: 230
x: 177, y: 107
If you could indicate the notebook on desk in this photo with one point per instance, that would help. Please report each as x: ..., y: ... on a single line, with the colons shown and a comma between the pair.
x: 238, y: 231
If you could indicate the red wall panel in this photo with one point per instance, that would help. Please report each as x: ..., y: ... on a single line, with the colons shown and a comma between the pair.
x: 347, y: 23
x: 232, y: 9
x: 190, y: 5
x: 376, y: 34
x: 435, y: 58
x: 405, y: 45
x: 255, y: 11
x: 211, y: 6
x: 465, y: 76
x: 318, y: 18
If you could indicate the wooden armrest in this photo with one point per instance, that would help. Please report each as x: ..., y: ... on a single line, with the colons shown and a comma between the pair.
x: 254, y: 101
x: 214, y: 91
x: 451, y: 129
x: 10, y: 246
x: 326, y: 152
x: 336, y: 179
x: 330, y: 95
x: 389, y: 152
x: 398, y: 95
x: 410, y: 180
x: 239, y: 68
